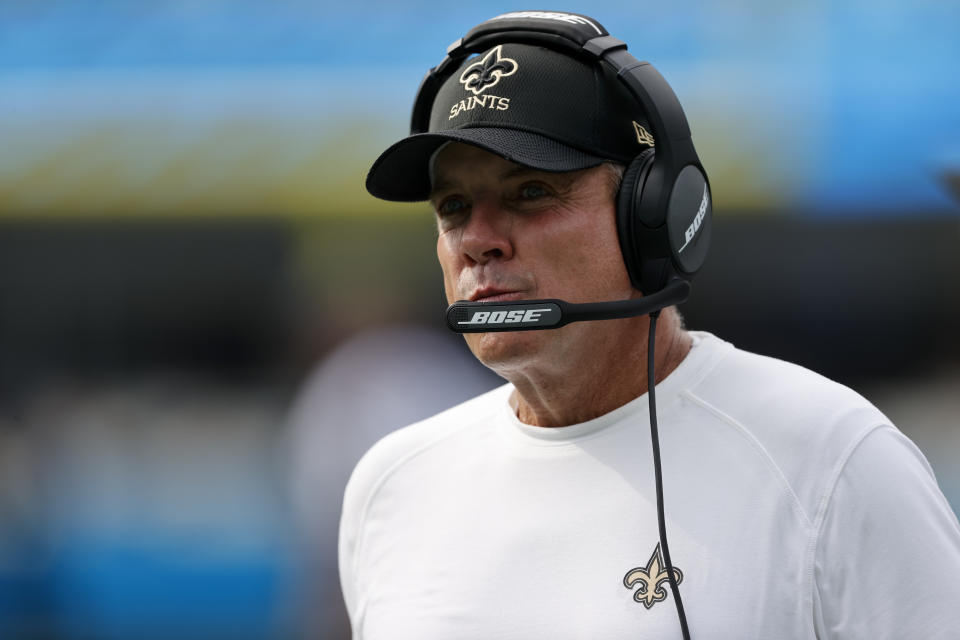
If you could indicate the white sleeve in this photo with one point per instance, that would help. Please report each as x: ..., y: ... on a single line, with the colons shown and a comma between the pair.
x: 350, y: 520
x: 366, y: 476
x: 361, y: 485
x: 887, y: 560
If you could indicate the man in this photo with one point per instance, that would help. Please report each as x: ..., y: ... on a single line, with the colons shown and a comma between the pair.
x: 794, y: 508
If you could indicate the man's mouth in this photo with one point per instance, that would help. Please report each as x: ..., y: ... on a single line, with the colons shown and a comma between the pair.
x: 492, y: 294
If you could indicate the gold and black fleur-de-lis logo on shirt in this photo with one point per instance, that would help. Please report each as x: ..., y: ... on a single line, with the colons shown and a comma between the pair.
x: 651, y: 579
x: 487, y: 71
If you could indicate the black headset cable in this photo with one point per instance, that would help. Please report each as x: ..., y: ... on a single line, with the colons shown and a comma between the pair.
x: 655, y: 440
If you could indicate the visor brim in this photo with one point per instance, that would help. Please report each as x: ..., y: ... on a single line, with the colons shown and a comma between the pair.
x: 402, y: 172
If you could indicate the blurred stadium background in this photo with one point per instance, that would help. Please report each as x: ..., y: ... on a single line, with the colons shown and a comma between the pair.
x: 193, y: 349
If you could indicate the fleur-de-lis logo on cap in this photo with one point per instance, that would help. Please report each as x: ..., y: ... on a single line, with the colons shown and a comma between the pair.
x: 487, y: 71
x: 651, y: 579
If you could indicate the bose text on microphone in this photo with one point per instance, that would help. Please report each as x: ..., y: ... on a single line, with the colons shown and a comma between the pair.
x: 526, y: 315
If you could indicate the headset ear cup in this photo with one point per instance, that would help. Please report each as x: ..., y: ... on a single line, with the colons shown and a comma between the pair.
x: 628, y: 226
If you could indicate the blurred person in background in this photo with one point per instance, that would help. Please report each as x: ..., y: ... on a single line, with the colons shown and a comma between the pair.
x: 529, y: 511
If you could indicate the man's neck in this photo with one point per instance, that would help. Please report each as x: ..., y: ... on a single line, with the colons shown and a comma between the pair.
x: 610, y: 372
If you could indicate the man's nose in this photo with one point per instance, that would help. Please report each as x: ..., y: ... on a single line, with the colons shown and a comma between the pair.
x: 487, y: 234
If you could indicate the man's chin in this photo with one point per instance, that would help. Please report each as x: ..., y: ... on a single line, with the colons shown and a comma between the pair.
x: 508, y: 349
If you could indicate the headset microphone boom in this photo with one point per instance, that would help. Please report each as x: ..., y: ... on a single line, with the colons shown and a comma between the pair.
x: 526, y: 315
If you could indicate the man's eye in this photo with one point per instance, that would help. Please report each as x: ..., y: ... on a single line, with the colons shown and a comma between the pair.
x: 451, y: 206
x: 532, y: 191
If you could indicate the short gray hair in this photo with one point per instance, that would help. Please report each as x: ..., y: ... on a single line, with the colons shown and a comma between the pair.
x: 614, y: 171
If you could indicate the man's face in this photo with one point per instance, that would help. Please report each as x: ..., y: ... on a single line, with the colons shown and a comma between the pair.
x: 507, y: 232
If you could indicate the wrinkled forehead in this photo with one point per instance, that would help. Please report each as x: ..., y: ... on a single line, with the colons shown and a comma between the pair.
x: 456, y: 162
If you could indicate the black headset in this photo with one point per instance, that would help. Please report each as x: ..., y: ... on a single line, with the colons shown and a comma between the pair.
x: 664, y: 207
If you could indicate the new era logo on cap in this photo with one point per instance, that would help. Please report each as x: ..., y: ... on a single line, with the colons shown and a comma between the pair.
x: 643, y: 136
